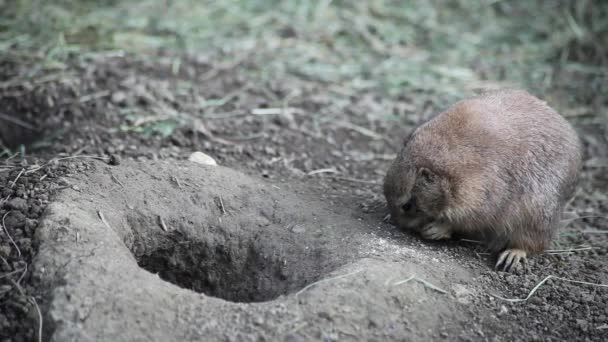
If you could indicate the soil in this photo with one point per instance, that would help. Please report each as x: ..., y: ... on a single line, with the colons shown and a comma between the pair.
x: 231, y: 252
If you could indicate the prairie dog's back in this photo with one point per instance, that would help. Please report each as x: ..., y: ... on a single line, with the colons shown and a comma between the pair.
x: 503, y: 142
x: 496, y: 127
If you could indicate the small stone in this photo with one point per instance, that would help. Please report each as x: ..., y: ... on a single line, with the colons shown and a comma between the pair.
x: 259, y: 320
x: 119, y: 97
x: 114, y: 160
x: 201, y: 158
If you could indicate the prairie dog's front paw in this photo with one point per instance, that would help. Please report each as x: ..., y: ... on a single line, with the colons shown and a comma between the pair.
x: 509, y: 259
x: 436, y: 231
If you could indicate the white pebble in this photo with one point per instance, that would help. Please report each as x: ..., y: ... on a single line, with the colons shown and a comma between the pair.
x: 201, y: 158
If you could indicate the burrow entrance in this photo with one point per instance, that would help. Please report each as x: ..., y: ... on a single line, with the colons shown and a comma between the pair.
x: 239, y: 266
x: 220, y: 232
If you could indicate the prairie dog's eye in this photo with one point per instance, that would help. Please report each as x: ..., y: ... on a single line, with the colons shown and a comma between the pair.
x: 409, y: 205
x: 426, y: 175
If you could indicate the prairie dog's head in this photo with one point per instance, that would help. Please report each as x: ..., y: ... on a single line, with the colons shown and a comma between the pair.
x: 415, y: 195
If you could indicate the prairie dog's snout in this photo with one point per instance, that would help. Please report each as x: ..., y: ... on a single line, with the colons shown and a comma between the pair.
x: 501, y: 165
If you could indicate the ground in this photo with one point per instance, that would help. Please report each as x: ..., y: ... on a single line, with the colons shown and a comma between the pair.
x: 297, y: 110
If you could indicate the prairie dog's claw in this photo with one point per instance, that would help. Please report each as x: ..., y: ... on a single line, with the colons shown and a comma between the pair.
x: 436, y: 231
x: 510, y: 258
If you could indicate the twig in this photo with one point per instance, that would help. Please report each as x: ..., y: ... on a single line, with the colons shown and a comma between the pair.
x: 326, y: 280
x: 16, y: 121
x: 361, y: 130
x: 423, y: 282
x: 93, y: 96
x: 327, y: 170
x: 356, y: 180
x: 567, y: 251
x: 163, y: 226
x: 33, y: 300
x: 11, y: 273
x: 176, y: 180
x: 517, y: 300
x: 103, y: 219
x: 117, y: 181
x: 274, y: 111
x: 404, y: 280
x: 9, y: 235
x: 222, y: 206
x: 13, y: 156
x: 17, y: 178
x: 22, y: 275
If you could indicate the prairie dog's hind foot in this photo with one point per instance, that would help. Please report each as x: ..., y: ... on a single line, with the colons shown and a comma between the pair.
x: 509, y: 259
x: 436, y: 231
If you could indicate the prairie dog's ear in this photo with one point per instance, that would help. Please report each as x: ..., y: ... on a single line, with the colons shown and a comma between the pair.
x: 426, y: 175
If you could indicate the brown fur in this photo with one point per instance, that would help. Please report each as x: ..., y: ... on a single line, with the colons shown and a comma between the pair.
x: 501, y: 165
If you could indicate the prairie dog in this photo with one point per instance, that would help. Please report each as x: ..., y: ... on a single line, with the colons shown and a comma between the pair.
x: 501, y: 165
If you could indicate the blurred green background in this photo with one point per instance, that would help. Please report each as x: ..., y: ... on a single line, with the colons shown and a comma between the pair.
x: 555, y: 48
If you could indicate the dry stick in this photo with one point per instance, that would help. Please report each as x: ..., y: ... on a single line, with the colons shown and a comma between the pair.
x: 354, y: 180
x: 361, y: 130
x: 11, y: 273
x: 9, y: 235
x: 517, y: 300
x: 326, y: 280
x: 117, y: 181
x: 561, y: 251
x: 33, y: 300
x: 327, y: 170
x: 222, y: 206
x: 103, y: 219
x: 12, y: 157
x: 179, y: 185
x: 22, y: 275
x: 423, y: 282
x: 162, y: 224
x: 17, y: 178
x: 17, y: 121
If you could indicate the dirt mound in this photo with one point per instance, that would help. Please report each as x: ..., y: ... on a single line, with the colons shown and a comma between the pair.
x: 139, y: 251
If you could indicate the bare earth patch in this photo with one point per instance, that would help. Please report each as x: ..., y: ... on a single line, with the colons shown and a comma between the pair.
x: 145, y: 251
x: 286, y: 242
